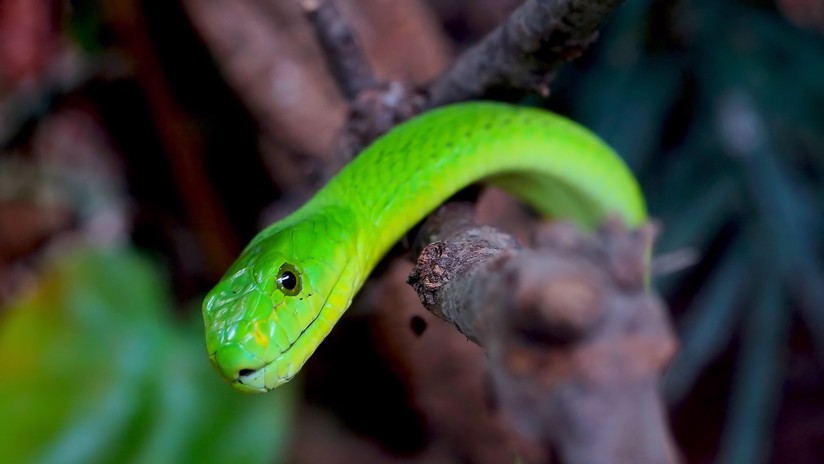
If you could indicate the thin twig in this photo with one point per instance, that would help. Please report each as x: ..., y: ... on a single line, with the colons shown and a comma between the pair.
x: 343, y: 53
x: 376, y: 106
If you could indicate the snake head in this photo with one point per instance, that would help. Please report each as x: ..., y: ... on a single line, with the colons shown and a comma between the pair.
x: 277, y: 302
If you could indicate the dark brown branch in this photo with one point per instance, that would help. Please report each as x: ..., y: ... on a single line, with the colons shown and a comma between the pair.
x: 376, y: 106
x: 343, y: 53
x: 525, y: 52
x: 575, y: 342
x: 521, y: 55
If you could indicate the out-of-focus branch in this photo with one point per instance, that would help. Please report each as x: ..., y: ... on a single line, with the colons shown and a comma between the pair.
x: 343, y: 53
x: 524, y: 53
x: 576, y: 343
x: 376, y: 106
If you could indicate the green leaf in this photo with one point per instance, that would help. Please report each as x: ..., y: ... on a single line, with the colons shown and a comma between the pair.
x: 94, y: 369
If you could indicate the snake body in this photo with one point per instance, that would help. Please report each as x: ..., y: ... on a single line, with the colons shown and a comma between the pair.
x: 296, y: 278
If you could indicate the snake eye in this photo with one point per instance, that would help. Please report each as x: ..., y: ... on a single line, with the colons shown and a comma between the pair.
x: 289, y: 279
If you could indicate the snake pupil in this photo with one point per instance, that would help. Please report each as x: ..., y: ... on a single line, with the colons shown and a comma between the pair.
x: 288, y: 280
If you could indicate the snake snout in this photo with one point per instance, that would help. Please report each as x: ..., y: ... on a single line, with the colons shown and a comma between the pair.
x: 239, y: 367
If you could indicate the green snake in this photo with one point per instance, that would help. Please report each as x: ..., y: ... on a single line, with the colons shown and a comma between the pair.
x: 296, y: 278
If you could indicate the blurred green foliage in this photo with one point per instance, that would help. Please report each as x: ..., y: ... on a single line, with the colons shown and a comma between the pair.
x: 94, y: 368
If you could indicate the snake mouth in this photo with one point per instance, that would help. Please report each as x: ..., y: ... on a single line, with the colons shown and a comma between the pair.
x: 260, y: 380
x: 247, y: 380
x: 267, y: 378
x: 252, y: 380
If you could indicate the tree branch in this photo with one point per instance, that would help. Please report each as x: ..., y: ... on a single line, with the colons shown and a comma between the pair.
x: 524, y: 53
x: 575, y: 342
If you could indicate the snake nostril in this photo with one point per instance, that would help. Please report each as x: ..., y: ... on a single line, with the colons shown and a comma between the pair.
x: 245, y: 372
